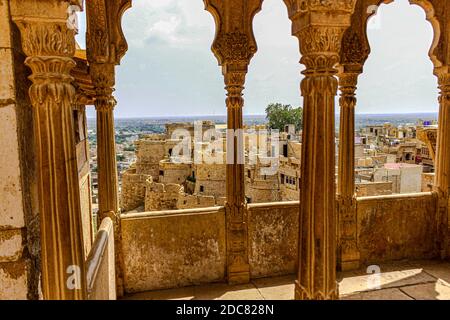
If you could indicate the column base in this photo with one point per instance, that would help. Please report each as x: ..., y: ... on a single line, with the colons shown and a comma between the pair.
x: 242, y: 277
x: 349, y: 265
x: 302, y: 294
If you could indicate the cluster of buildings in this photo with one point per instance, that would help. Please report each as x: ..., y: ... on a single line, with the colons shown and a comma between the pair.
x: 389, y: 159
x: 395, y: 159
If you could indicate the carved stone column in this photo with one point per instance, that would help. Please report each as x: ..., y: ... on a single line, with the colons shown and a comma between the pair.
x: 348, y: 252
x: 238, y: 268
x: 104, y: 79
x: 106, y: 45
x: 442, y: 182
x: 234, y: 47
x: 319, y: 27
x: 49, y: 46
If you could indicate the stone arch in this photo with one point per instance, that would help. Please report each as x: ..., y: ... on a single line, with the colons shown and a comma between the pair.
x: 355, y: 43
x: 436, y: 51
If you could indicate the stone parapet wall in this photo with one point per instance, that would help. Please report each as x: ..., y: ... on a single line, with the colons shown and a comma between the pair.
x: 273, y: 238
x: 173, y: 248
x: 100, y: 264
x: 170, y: 249
x: 397, y: 227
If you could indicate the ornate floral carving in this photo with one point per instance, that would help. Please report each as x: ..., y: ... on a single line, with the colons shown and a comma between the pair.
x: 296, y: 6
x: 353, y: 50
x: 234, y: 47
x: 46, y: 39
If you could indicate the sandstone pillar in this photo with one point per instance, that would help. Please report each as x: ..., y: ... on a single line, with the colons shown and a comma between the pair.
x: 234, y: 46
x: 238, y: 269
x: 49, y: 46
x: 442, y: 165
x: 106, y: 45
x: 348, y: 253
x: 103, y: 78
x: 319, y: 27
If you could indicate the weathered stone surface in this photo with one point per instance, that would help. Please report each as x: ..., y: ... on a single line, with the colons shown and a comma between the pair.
x: 7, y: 92
x: 11, y: 203
x: 278, y: 288
x: 11, y: 245
x: 350, y: 285
x: 100, y: 264
x: 273, y: 238
x: 13, y: 280
x: 5, y: 34
x: 440, y: 290
x: 397, y: 227
x: 387, y: 294
x: 222, y: 291
x: 171, y: 249
x: 86, y: 213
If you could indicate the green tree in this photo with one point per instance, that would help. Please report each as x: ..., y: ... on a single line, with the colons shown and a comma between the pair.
x: 279, y: 115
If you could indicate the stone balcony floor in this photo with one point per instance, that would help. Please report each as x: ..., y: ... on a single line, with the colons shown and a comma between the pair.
x: 405, y: 280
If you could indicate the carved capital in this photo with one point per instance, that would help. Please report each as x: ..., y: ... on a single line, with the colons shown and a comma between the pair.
x: 103, y: 78
x: 347, y: 85
x: 443, y: 76
x: 49, y: 47
x: 234, y: 84
x: 40, y: 38
x: 320, y: 48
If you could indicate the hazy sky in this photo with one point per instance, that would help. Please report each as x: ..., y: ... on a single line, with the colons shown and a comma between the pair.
x: 170, y: 70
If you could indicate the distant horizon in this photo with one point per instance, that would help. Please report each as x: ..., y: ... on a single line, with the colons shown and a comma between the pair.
x: 263, y: 115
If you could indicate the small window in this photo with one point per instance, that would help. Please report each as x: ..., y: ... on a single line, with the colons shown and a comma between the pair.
x: 202, y: 189
x: 161, y: 173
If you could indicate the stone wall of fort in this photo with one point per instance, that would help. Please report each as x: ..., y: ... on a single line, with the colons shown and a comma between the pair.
x: 161, y: 196
x: 133, y: 189
x: 170, y: 172
x: 427, y: 182
x: 149, y: 152
x: 368, y: 189
x: 210, y: 179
